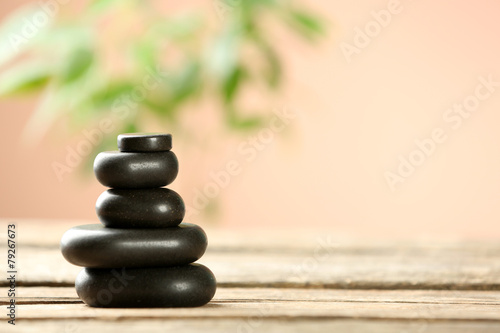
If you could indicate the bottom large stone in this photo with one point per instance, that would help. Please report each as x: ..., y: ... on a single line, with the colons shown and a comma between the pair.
x: 178, y: 286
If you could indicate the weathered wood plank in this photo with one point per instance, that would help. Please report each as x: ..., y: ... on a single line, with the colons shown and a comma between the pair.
x: 30, y: 295
x: 242, y: 303
x: 331, y: 267
x: 277, y: 325
x: 409, y: 282
x: 273, y: 309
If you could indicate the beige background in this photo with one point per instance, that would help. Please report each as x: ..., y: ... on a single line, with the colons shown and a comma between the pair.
x: 354, y: 120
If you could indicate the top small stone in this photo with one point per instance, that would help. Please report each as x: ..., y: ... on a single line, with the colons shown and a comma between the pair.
x: 149, y: 142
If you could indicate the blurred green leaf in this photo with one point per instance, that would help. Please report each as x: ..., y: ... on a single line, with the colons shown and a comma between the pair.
x: 98, y: 6
x: 146, y: 53
x: 161, y: 107
x: 236, y: 121
x: 232, y: 83
x: 66, y: 38
x: 178, y: 88
x: 245, y: 124
x: 224, y: 53
x: 80, y: 81
x: 130, y: 128
x: 187, y: 82
x: 110, y: 94
x: 86, y: 75
x: 76, y: 65
x: 231, y: 3
x: 90, y: 101
x: 274, y: 72
x: 25, y: 78
x: 181, y: 27
x: 307, y: 24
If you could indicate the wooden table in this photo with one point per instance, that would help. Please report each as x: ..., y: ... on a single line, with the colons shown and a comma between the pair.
x: 278, y: 282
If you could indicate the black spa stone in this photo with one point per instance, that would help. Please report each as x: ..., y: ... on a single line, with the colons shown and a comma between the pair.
x: 140, y: 208
x: 96, y: 246
x: 179, y: 286
x: 136, y: 170
x: 149, y: 142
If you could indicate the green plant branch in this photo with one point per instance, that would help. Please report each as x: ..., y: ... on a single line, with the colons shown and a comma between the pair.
x: 198, y: 61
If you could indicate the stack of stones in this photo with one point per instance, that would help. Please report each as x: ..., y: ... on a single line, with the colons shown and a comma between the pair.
x: 141, y: 255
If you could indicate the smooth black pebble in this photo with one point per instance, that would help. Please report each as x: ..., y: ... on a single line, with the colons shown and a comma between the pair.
x: 96, y: 246
x: 136, y: 170
x: 140, y: 208
x: 179, y: 286
x: 150, y: 142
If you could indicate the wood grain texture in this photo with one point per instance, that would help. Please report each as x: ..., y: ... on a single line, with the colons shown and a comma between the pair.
x: 296, y: 303
x: 268, y: 309
x: 295, y: 325
x: 30, y: 295
x: 329, y: 267
x: 286, y: 281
